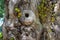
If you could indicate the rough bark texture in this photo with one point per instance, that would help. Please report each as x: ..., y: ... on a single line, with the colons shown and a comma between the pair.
x: 22, y: 21
x: 26, y: 27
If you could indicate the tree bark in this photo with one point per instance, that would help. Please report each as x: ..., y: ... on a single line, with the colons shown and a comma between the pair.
x: 26, y: 27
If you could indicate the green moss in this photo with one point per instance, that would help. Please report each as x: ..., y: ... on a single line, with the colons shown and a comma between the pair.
x: 45, y: 9
x: 11, y: 38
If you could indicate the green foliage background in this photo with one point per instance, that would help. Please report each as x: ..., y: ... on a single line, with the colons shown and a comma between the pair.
x: 1, y: 8
x: 1, y: 17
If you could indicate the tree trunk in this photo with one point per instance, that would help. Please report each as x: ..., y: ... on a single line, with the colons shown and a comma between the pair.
x: 21, y: 20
